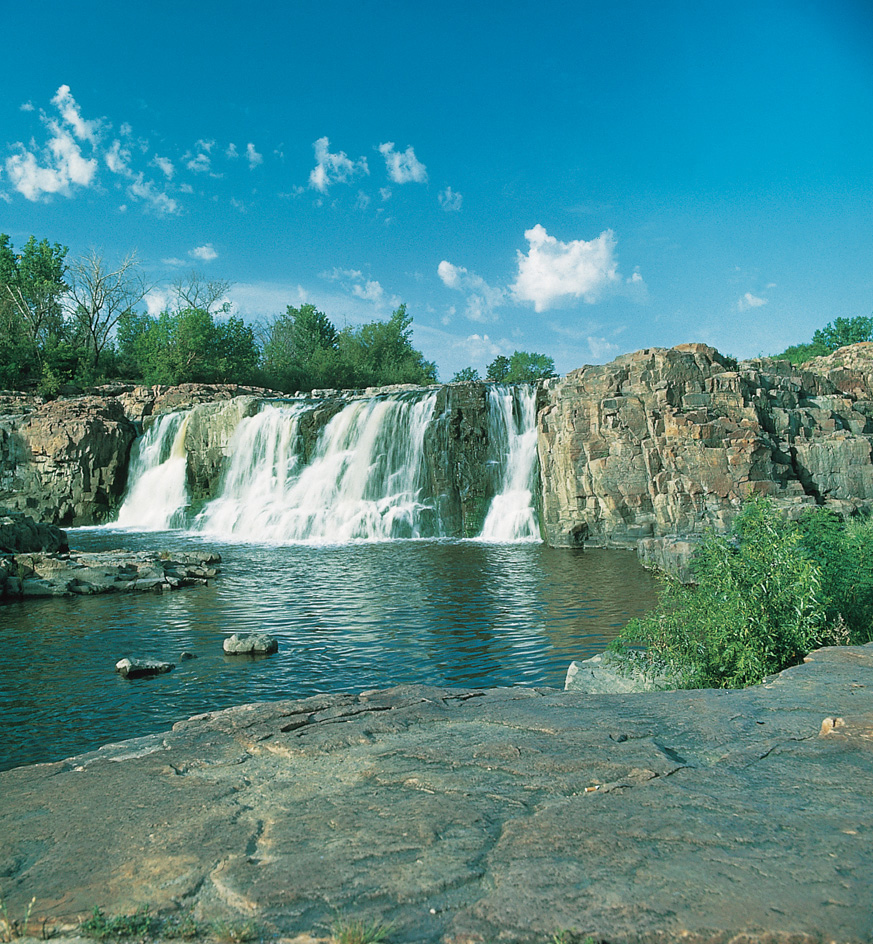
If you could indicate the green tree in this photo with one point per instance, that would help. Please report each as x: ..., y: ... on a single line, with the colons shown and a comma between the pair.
x: 498, y: 369
x: 381, y: 352
x: 32, y: 288
x: 300, y: 350
x: 826, y: 340
x: 465, y: 375
x: 525, y: 367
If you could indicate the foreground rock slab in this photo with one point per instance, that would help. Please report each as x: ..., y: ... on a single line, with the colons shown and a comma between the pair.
x: 76, y: 573
x: 471, y: 815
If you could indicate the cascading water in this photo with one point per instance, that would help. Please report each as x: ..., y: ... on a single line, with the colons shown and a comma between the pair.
x: 157, y: 495
x: 366, y: 477
x: 513, y: 431
x: 364, y: 482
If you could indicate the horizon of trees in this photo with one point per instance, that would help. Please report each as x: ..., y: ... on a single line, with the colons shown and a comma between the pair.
x: 80, y: 322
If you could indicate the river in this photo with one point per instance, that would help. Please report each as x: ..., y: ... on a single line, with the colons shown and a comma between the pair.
x: 348, y: 618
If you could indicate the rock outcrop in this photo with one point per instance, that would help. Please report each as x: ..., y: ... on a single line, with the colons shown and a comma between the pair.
x: 20, y: 533
x: 81, y: 574
x: 65, y: 461
x: 664, y: 442
x: 469, y: 815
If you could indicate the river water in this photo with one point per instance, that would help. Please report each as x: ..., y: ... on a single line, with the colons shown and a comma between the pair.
x: 348, y: 618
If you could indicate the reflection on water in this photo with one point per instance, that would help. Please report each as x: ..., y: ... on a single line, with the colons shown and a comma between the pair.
x: 347, y: 617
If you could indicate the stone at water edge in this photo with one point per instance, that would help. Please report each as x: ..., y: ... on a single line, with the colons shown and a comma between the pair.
x: 250, y: 644
x: 608, y: 673
x: 142, y: 668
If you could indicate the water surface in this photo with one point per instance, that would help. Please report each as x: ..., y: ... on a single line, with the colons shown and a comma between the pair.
x: 348, y: 617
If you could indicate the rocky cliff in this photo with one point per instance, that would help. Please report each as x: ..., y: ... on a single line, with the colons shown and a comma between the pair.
x: 658, y: 442
x: 671, y: 441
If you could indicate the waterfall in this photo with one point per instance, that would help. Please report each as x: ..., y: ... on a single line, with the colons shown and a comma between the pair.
x: 374, y: 472
x: 157, y: 493
x: 364, y: 482
x: 513, y: 432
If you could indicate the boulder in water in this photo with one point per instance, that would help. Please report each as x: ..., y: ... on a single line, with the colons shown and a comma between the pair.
x: 250, y: 644
x: 142, y: 668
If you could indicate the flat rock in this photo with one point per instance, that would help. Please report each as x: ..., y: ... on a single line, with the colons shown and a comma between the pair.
x: 250, y: 644
x: 82, y: 574
x: 469, y: 815
x: 142, y: 668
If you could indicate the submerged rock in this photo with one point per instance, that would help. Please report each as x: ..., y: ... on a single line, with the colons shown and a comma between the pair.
x: 250, y: 644
x: 142, y: 668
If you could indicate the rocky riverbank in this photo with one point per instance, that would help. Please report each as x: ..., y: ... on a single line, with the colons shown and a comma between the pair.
x: 472, y: 816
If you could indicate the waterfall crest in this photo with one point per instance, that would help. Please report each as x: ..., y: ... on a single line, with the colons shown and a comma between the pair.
x: 157, y: 495
x: 368, y: 469
x: 513, y: 432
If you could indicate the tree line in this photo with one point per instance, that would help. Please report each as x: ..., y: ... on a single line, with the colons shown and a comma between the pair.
x: 81, y: 322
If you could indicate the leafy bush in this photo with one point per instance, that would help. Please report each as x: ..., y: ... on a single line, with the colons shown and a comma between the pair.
x: 766, y: 595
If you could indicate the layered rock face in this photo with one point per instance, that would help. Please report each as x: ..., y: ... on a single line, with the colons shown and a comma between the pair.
x: 671, y: 441
x: 65, y: 462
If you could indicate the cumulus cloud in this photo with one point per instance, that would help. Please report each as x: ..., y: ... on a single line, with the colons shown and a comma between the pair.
x: 232, y: 153
x: 59, y: 165
x: 334, y: 168
x: 253, y: 157
x: 204, y: 253
x: 359, y: 285
x: 117, y: 158
x: 750, y: 301
x: 450, y: 201
x: 481, y: 298
x: 553, y: 270
x: 403, y: 166
x: 156, y: 199
x: 601, y: 349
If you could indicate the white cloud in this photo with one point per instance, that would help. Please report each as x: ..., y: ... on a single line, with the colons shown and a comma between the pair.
x: 482, y: 298
x: 165, y: 165
x: 385, y: 193
x: 334, y: 168
x: 253, y: 157
x: 204, y: 253
x: 200, y: 163
x: 117, y: 158
x: 450, y: 201
x: 146, y: 190
x: 26, y: 106
x: 362, y: 201
x: 601, y: 349
x: 66, y: 105
x: 157, y: 300
x: 750, y: 301
x: 403, y: 166
x: 554, y: 270
x: 231, y: 152
x: 359, y: 286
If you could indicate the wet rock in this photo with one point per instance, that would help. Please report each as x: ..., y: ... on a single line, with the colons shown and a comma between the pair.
x: 83, y: 574
x: 476, y: 815
x: 142, y: 668
x: 250, y: 644
x: 19, y: 532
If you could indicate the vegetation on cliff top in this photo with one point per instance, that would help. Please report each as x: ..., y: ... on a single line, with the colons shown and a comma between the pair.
x: 826, y: 340
x: 81, y: 322
x: 766, y: 595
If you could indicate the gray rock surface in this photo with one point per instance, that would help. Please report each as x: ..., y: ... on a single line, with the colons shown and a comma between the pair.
x: 19, y: 532
x: 247, y: 644
x: 142, y: 668
x: 471, y: 815
x: 609, y: 674
x: 78, y: 573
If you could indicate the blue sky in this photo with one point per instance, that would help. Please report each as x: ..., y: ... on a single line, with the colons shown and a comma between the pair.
x: 576, y: 179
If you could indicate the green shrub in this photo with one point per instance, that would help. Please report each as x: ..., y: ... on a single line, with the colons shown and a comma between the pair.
x: 759, y: 606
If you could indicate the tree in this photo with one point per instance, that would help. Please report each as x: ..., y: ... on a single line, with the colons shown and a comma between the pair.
x: 522, y: 367
x: 300, y: 350
x: 31, y: 288
x: 466, y: 375
x: 843, y: 331
x: 526, y: 368
x: 99, y: 295
x: 381, y: 352
x: 196, y: 291
x: 498, y: 369
x: 826, y: 340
